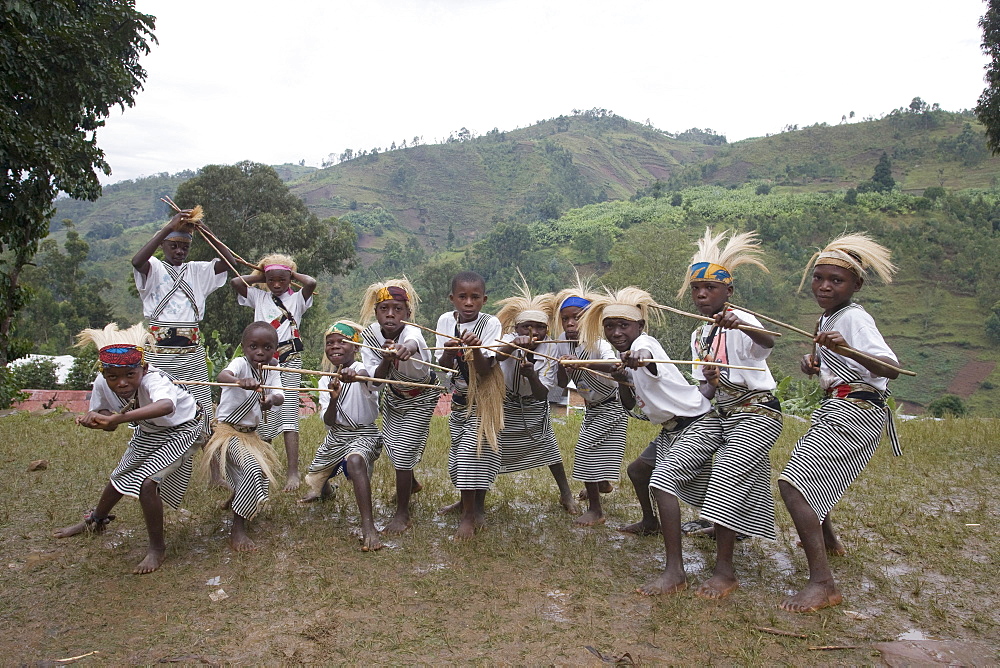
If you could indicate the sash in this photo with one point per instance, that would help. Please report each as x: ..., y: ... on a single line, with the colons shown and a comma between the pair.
x: 179, y: 277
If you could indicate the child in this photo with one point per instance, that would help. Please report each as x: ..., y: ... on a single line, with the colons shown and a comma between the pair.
x: 249, y: 462
x: 739, y: 497
x: 689, y: 435
x: 352, y: 440
x: 406, y: 412
x: 476, y: 401
x: 527, y: 440
x: 847, y: 426
x: 597, y: 458
x: 283, y: 308
x: 173, y: 294
x: 156, y: 467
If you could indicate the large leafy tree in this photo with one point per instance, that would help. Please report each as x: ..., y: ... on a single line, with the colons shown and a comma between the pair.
x: 988, y: 109
x: 63, y: 65
x: 251, y: 210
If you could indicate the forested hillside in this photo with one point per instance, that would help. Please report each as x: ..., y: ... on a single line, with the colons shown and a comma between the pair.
x: 625, y: 201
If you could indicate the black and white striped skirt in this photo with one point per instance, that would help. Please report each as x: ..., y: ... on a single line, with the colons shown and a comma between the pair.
x: 740, y: 495
x: 684, y: 459
x: 341, y: 441
x: 188, y: 365
x: 601, y: 444
x: 527, y: 440
x: 469, y: 466
x: 286, y: 416
x: 834, y: 451
x: 164, y: 457
x: 406, y: 421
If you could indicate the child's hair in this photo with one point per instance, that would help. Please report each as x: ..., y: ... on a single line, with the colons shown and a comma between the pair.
x: 468, y: 277
x: 277, y: 259
x: 377, y: 293
x: 631, y: 303
x: 583, y: 291
x: 857, y: 252
x: 254, y: 326
x: 525, y: 307
x: 349, y: 330
x: 713, y: 262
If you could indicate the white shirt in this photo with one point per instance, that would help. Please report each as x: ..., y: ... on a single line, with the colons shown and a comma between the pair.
x: 357, y: 404
x: 156, y: 284
x: 859, y: 330
x: 265, y: 309
x: 155, y: 385
x: 408, y: 370
x: 233, y: 397
x: 489, y: 329
x: 545, y: 368
x: 666, y: 395
x: 732, y: 346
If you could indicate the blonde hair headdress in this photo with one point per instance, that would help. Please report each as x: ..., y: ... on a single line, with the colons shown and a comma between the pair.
x: 715, y: 262
x: 277, y: 261
x: 524, y: 307
x: 857, y: 252
x: 630, y: 303
x: 576, y: 295
x: 381, y: 291
x: 117, y: 347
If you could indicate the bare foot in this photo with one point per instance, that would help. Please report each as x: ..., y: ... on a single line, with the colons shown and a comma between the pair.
x: 642, y: 528
x: 467, y: 529
x: 72, y: 530
x: 241, y: 542
x: 154, y: 559
x: 604, y: 487
x: 665, y: 583
x: 397, y: 525
x: 569, y: 504
x: 292, y: 482
x: 814, y: 596
x: 325, y: 494
x: 450, y: 508
x: 833, y: 546
x: 590, y: 518
x: 369, y: 540
x: 717, y: 587
x: 228, y: 503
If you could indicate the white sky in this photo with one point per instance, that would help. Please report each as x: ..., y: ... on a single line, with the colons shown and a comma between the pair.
x: 278, y: 82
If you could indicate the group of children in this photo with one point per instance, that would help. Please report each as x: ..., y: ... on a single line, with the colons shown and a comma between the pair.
x: 712, y: 452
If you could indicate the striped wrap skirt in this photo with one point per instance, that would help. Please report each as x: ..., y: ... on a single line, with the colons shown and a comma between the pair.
x: 834, y: 451
x: 164, y: 457
x: 188, y: 363
x: 250, y: 465
x: 406, y: 422
x: 286, y: 416
x: 527, y: 440
x: 470, y: 465
x: 340, y: 442
x: 601, y: 444
x: 684, y: 459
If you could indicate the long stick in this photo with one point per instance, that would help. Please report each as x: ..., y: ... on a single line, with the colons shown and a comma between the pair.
x: 691, y: 362
x: 803, y: 332
x: 263, y: 387
x: 428, y: 329
x: 366, y: 379
x: 705, y: 318
x: 412, y: 359
x: 527, y: 350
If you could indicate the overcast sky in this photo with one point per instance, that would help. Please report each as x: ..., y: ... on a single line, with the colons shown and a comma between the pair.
x: 279, y: 82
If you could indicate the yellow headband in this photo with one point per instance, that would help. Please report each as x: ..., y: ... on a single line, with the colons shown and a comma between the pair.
x: 709, y: 271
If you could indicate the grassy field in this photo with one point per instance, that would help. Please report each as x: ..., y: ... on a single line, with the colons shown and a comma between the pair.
x: 531, y: 589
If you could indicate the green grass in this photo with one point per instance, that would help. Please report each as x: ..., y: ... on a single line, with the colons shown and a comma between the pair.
x: 530, y: 589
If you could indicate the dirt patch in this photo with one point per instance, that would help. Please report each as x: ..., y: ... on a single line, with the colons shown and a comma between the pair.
x: 968, y: 378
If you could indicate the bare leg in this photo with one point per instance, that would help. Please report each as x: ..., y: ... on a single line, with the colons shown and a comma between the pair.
x: 405, y: 485
x: 672, y: 579
x: 292, y: 455
x: 723, y: 581
x: 821, y: 590
x: 109, y: 498
x: 152, y: 512
x: 480, y: 511
x: 639, y: 472
x: 833, y: 545
x: 238, y: 538
x: 469, y: 523
x: 566, y: 499
x: 605, y: 486
x: 595, y: 513
x: 357, y: 468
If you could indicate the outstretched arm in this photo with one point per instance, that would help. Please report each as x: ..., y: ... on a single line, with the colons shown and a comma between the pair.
x: 140, y: 261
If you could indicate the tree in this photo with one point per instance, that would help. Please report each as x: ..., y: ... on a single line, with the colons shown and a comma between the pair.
x: 252, y: 211
x: 881, y: 180
x: 988, y: 108
x: 63, y: 66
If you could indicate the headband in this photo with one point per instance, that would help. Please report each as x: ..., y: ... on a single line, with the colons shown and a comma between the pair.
x: 839, y: 258
x: 388, y: 292
x: 179, y: 235
x: 579, y: 302
x: 344, y: 330
x: 277, y: 266
x: 530, y: 316
x: 120, y: 355
x: 709, y: 271
x: 622, y: 311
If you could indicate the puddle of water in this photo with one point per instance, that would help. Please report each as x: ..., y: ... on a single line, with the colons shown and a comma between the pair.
x: 555, y: 612
x: 913, y: 634
x: 430, y: 568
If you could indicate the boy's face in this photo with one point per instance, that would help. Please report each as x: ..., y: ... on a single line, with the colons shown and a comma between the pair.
x: 124, y: 380
x: 390, y: 315
x: 536, y: 330
x: 468, y: 300
x: 621, y: 332
x: 710, y: 297
x: 570, y: 318
x: 175, y: 251
x: 259, y: 345
x: 339, y: 349
x: 833, y: 286
x: 278, y: 281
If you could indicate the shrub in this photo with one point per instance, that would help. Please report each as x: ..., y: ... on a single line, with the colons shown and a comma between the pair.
x: 9, y: 392
x: 84, y: 370
x: 35, y: 374
x: 947, y: 405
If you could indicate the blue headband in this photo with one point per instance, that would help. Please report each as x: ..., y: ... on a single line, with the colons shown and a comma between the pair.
x: 579, y: 302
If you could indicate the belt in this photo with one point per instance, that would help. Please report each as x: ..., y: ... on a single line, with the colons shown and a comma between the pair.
x: 175, y: 350
x: 762, y: 404
x: 681, y: 423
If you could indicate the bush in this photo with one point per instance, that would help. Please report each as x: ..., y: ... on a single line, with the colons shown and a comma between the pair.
x: 36, y: 374
x: 9, y: 392
x: 947, y: 405
x: 84, y: 370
